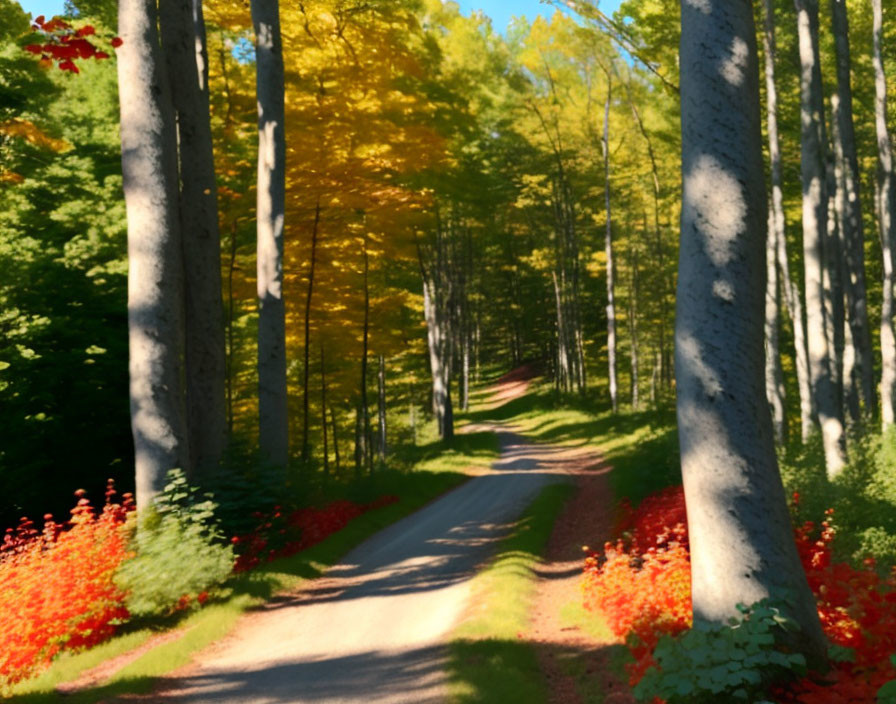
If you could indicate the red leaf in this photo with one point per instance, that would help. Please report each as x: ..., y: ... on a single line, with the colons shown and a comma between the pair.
x: 68, y: 66
x: 101, y: 55
x: 39, y: 20
x: 84, y: 48
x: 116, y: 42
x: 85, y: 31
x: 34, y: 49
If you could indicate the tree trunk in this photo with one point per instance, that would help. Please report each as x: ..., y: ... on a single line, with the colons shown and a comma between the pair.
x: 364, y: 414
x: 381, y: 410
x: 435, y: 335
x: 608, y: 250
x: 779, y: 230
x: 183, y: 40
x: 659, y: 249
x: 742, y: 547
x: 335, y: 440
x: 306, y: 449
x: 633, y: 294
x: 850, y: 205
x: 774, y: 376
x: 155, y: 256
x: 886, y: 197
x: 323, y: 411
x: 231, y: 268
x: 815, y: 206
x: 835, y: 311
x: 273, y: 421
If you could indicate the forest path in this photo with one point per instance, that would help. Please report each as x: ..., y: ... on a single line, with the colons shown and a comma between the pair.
x: 374, y: 627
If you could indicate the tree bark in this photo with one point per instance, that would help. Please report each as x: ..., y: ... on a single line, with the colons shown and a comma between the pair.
x: 608, y: 250
x: 774, y: 375
x: 886, y: 198
x: 778, y: 232
x: 183, y: 40
x: 306, y: 449
x: 155, y: 255
x: 335, y: 439
x: 364, y: 418
x: 850, y: 205
x: 273, y: 420
x: 323, y: 411
x: 381, y: 410
x: 815, y: 206
x: 633, y: 295
x: 742, y: 547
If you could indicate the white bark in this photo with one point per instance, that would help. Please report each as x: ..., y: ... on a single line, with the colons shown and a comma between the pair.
x: 850, y: 206
x: 155, y: 264
x: 608, y: 250
x: 814, y: 213
x: 183, y: 39
x: 742, y: 547
x: 774, y: 376
x: 886, y: 198
x: 778, y: 230
x: 273, y: 423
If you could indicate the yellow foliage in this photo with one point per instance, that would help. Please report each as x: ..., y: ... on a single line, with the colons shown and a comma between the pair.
x: 31, y: 133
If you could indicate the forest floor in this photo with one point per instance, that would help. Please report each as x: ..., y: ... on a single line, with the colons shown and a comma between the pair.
x: 375, y: 627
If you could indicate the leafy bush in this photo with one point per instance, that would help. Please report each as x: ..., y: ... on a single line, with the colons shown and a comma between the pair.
x: 180, y: 553
x: 644, y: 596
x: 722, y: 663
x: 56, y: 586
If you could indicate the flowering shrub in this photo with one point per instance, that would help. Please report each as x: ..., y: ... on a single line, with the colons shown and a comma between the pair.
x: 642, y: 587
x: 56, y: 587
x: 280, y: 534
x: 69, y: 585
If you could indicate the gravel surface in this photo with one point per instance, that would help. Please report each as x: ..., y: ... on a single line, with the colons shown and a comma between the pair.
x: 373, y: 629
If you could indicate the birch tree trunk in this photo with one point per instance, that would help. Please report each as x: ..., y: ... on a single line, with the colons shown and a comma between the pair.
x: 323, y: 411
x: 633, y: 295
x: 774, y: 375
x: 850, y: 205
x: 381, y: 410
x: 742, y: 547
x: 886, y: 197
x: 608, y: 250
x: 779, y: 230
x: 155, y: 256
x: 306, y: 448
x: 273, y: 421
x: 183, y: 40
x: 814, y: 213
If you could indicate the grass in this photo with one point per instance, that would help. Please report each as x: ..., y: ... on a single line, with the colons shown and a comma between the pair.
x: 642, y: 446
x: 487, y: 642
x: 430, y: 478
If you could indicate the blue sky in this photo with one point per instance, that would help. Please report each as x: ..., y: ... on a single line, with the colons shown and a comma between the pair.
x: 499, y: 10
x: 502, y: 10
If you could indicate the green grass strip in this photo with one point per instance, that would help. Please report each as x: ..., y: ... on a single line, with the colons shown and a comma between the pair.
x: 216, y: 619
x: 488, y: 660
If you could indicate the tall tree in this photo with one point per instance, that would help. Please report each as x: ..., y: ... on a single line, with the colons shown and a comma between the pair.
x: 742, y: 547
x: 155, y: 257
x: 815, y: 204
x: 273, y: 423
x: 778, y: 229
x: 608, y: 250
x: 184, y: 44
x: 886, y: 197
x: 849, y: 208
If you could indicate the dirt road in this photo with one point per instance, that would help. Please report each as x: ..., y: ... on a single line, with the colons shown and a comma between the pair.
x: 373, y: 628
